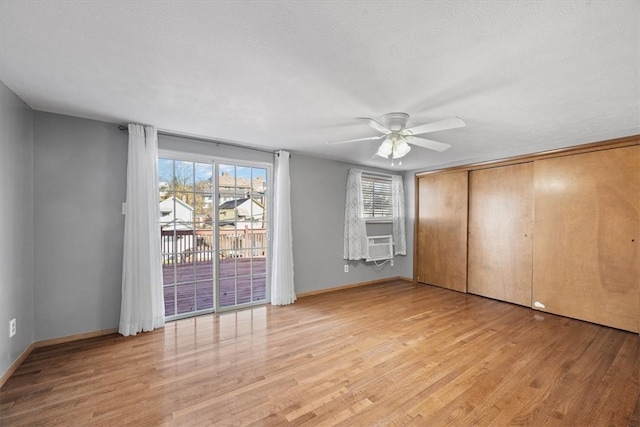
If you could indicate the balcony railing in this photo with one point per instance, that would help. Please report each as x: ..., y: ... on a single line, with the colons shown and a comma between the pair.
x: 181, y: 246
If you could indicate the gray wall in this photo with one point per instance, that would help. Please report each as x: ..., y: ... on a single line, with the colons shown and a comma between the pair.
x: 410, y: 213
x: 16, y: 226
x: 79, y: 187
x: 318, y: 192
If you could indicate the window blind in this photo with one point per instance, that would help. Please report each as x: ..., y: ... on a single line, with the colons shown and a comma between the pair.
x: 377, y: 194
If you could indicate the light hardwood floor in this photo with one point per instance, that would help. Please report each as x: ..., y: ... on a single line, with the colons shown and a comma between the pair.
x: 390, y: 354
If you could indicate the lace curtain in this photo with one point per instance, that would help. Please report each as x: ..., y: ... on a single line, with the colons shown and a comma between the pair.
x: 355, y: 227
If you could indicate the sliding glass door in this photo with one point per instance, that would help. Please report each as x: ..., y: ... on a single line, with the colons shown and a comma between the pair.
x: 242, y: 234
x: 214, y: 235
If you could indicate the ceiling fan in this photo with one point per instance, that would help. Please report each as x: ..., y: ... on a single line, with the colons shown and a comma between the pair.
x: 397, y: 137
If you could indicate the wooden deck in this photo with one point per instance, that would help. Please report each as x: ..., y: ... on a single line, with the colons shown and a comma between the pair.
x: 242, y: 280
x: 384, y: 355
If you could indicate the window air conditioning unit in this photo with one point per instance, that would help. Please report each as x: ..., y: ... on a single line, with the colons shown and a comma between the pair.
x: 379, y: 248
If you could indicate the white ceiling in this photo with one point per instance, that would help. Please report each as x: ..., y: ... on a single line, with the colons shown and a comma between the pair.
x: 525, y: 76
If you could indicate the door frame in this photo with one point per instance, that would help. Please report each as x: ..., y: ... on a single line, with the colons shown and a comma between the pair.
x: 215, y: 161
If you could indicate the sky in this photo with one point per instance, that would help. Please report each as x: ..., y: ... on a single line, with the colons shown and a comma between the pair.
x: 204, y: 171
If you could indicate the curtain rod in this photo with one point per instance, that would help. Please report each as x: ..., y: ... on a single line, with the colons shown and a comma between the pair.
x: 203, y: 139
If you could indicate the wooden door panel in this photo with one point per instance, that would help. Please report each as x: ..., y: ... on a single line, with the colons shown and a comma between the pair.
x: 441, y: 246
x: 587, y: 234
x: 501, y: 232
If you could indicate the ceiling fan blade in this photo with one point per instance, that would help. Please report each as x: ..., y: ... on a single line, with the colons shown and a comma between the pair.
x: 376, y: 125
x: 427, y: 143
x: 371, y: 138
x: 452, y: 123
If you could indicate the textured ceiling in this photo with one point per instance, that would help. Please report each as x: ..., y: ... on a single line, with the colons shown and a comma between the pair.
x: 524, y: 75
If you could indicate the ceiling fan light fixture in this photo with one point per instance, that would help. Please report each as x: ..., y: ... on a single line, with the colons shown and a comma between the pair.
x: 400, y: 148
x: 386, y: 148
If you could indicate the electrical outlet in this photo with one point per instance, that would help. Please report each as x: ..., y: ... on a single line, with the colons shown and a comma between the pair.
x: 346, y: 268
x: 391, y: 263
x: 12, y: 327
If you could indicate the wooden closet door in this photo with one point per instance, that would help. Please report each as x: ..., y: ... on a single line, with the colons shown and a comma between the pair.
x: 441, y: 241
x: 500, y: 233
x: 587, y: 236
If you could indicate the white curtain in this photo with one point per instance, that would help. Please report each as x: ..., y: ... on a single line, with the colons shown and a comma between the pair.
x: 355, y: 226
x: 142, y: 306
x: 282, y: 286
x: 397, y: 201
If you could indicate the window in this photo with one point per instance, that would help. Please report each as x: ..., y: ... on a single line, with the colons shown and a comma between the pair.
x: 372, y: 198
x: 377, y: 197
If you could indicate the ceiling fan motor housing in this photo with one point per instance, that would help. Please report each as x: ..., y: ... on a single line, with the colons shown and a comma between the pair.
x: 395, y: 122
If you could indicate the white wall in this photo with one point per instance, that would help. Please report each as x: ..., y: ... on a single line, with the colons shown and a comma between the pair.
x: 16, y: 226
